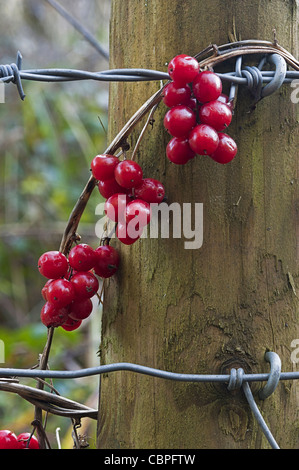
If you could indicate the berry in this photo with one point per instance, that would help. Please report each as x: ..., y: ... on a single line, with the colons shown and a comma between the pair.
x: 8, y: 440
x: 128, y: 174
x: 150, y: 190
x: 23, y: 441
x: 183, y: 68
x: 207, y: 86
x: 82, y: 257
x: 140, y: 211
x: 44, y: 290
x: 109, y: 187
x: 53, y: 264
x: 71, y: 324
x: 115, y: 206
x: 107, y: 261
x: 223, y: 98
x: 192, y: 104
x: 86, y: 285
x: 179, y: 121
x: 216, y: 114
x: 175, y: 94
x: 178, y: 151
x: 226, y: 150
x: 52, y: 316
x: 102, y: 166
x: 203, y: 139
x: 61, y: 292
x: 127, y: 235
x: 79, y: 310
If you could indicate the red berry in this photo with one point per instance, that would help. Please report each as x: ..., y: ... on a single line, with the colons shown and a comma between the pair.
x: 192, y: 104
x: 226, y: 150
x: 175, y: 94
x: 102, y: 166
x: 71, y: 324
x: 150, y: 190
x: 115, y: 206
x: 52, y: 316
x: 110, y: 187
x: 178, y: 151
x: 128, y: 174
x: 82, y: 257
x: 23, y: 441
x: 107, y: 261
x: 86, y: 285
x: 60, y: 292
x: 140, y: 211
x: 216, y: 114
x: 207, y: 86
x: 127, y: 235
x: 183, y: 68
x: 203, y: 139
x: 79, y: 310
x: 179, y: 121
x: 8, y: 440
x: 53, y: 264
x: 223, y: 98
x: 44, y: 291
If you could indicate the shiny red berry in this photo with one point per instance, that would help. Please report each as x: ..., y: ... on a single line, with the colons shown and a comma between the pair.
x: 175, y: 94
x: 207, y: 86
x: 80, y: 310
x: 223, y: 98
x: 203, y: 139
x: 140, y: 211
x: 127, y: 234
x: 183, y: 68
x: 110, y: 187
x: 107, y: 261
x: 115, y: 206
x: 53, y: 264
x: 82, y: 257
x: 178, y: 151
x: 61, y: 292
x: 226, y: 149
x: 86, y: 285
x: 44, y: 290
x: 52, y: 316
x: 179, y: 121
x: 128, y: 174
x: 102, y: 166
x: 25, y: 443
x: 150, y: 190
x: 8, y: 440
x: 70, y: 324
x: 216, y: 114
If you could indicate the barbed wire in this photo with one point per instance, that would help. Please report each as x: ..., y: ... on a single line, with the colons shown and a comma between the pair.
x: 252, y: 77
x: 236, y: 379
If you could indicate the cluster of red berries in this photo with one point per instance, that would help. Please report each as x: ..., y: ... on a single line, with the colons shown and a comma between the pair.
x: 199, y: 113
x: 8, y: 440
x: 128, y: 194
x: 72, y: 282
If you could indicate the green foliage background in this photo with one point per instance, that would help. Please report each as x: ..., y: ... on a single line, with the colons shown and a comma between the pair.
x: 46, y: 145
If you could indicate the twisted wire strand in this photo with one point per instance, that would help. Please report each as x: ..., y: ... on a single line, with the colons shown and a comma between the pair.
x: 237, y: 379
x: 250, y: 76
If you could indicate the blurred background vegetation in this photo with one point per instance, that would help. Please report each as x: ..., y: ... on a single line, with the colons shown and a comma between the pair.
x: 46, y: 146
